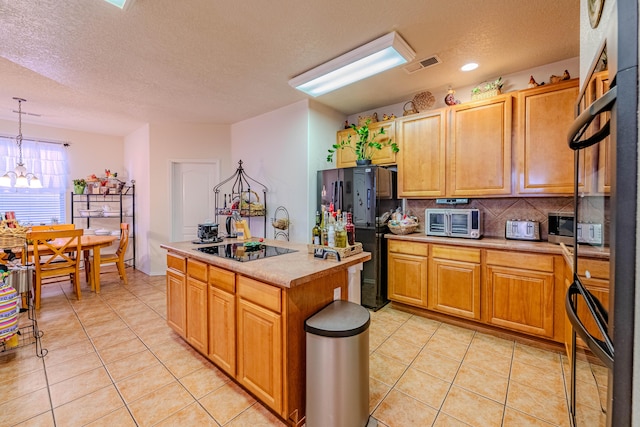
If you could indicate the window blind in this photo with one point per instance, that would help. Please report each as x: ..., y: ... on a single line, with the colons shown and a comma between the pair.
x: 49, y: 162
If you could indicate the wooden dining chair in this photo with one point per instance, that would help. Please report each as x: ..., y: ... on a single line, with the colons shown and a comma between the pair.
x: 55, y: 253
x: 53, y: 227
x: 50, y: 227
x: 116, y: 258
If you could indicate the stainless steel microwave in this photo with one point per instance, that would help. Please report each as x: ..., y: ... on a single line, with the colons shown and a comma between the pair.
x: 465, y: 223
x: 561, y: 230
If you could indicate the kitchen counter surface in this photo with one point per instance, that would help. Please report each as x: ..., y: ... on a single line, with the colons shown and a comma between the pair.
x: 504, y: 244
x: 287, y: 270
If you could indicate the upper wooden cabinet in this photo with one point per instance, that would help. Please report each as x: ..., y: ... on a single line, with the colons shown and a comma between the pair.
x: 544, y: 160
x: 346, y: 158
x: 459, y: 151
x: 421, y: 159
x: 480, y: 148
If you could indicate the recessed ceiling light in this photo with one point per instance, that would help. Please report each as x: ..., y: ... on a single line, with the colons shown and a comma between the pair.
x: 470, y: 66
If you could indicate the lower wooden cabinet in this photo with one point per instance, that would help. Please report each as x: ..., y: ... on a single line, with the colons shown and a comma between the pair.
x: 260, y: 352
x: 594, y: 275
x: 407, y: 273
x: 222, y: 329
x: 176, y: 301
x: 197, y: 315
x: 196, y: 296
x: 454, y: 281
x: 520, y: 292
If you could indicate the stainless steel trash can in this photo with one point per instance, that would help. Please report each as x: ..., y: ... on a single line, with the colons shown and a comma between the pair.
x: 338, y: 366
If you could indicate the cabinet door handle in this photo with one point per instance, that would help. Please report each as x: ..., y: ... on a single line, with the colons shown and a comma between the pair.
x: 582, y: 122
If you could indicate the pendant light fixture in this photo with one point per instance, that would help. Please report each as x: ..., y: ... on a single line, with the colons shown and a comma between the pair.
x: 23, y: 179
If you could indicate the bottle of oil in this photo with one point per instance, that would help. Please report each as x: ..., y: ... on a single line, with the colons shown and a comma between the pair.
x: 324, y: 230
x: 341, y: 233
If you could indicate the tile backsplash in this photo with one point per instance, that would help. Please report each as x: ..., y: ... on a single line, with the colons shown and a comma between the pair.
x: 496, y: 212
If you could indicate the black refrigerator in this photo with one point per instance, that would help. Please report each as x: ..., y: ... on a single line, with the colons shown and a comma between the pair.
x: 368, y: 192
x: 608, y: 127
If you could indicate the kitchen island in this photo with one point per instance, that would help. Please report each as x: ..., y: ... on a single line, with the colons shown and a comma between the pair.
x: 247, y: 317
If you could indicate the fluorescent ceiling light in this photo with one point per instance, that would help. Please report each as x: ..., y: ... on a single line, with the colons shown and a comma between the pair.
x: 119, y: 3
x: 372, y: 58
x: 470, y: 66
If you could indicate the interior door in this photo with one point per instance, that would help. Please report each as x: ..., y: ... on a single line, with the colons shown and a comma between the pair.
x: 193, y: 200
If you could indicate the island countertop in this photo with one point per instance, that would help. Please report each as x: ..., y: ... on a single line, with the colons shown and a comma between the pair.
x: 286, y: 270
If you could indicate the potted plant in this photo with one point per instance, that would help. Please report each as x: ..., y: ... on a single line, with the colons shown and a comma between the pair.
x: 487, y: 90
x: 366, y: 145
x: 79, y: 185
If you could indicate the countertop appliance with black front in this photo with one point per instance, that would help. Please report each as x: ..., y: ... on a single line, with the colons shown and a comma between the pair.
x: 368, y: 192
x: 607, y: 127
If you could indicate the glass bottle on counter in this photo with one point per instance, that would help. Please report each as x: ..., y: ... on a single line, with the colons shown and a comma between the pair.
x: 331, y: 232
x: 341, y: 233
x: 316, y: 233
x: 324, y: 230
x: 350, y: 228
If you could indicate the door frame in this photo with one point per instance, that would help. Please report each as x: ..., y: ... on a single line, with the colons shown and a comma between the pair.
x: 172, y: 163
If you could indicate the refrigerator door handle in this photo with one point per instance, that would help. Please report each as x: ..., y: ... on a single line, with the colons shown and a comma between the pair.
x: 368, y: 198
x: 602, y: 349
x: 582, y: 122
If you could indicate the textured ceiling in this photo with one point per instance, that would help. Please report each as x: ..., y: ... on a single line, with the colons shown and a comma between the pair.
x: 86, y: 65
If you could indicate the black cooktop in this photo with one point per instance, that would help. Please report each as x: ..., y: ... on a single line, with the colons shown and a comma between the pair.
x: 244, y: 252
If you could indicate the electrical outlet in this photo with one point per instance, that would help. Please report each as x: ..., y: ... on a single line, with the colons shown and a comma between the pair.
x: 337, y: 293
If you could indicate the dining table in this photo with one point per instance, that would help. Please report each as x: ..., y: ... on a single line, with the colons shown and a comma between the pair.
x: 91, y: 243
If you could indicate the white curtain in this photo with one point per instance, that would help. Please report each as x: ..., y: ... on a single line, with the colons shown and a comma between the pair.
x: 48, y: 161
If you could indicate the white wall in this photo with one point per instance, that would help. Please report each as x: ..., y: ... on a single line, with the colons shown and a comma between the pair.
x: 174, y: 141
x: 89, y: 153
x: 137, y: 161
x: 324, y: 122
x: 273, y: 149
x: 513, y: 82
x: 591, y: 39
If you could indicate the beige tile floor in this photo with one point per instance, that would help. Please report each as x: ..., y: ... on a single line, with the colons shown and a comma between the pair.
x: 112, y: 361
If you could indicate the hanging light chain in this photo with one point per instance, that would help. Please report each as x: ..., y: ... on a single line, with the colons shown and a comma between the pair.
x: 19, y: 137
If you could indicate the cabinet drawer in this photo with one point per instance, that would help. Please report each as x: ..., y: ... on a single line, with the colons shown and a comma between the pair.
x: 410, y: 248
x: 521, y: 260
x: 598, y: 269
x: 456, y: 253
x: 222, y: 279
x: 197, y: 269
x: 176, y: 262
x: 267, y: 296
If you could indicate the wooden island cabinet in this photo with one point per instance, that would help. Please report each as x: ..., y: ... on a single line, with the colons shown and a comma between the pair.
x: 248, y: 317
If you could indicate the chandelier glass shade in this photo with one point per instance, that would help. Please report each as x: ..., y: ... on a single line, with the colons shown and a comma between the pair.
x: 23, y: 179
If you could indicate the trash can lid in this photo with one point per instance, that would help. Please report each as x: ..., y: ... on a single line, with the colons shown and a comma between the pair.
x: 339, y: 319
